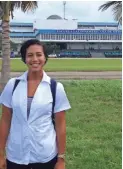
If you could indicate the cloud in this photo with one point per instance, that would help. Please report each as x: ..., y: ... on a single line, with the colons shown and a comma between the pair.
x: 83, y: 11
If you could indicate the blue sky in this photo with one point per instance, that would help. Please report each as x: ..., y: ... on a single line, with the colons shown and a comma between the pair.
x: 84, y: 11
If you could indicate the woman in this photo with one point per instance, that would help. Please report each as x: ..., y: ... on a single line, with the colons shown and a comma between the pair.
x: 27, y: 132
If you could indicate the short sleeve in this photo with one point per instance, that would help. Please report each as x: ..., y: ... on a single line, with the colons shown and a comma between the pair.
x: 6, y: 95
x: 62, y: 102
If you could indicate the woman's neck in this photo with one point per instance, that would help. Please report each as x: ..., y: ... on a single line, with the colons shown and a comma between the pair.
x: 35, y: 75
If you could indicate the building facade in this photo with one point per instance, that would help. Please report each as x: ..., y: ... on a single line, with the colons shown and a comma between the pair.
x: 69, y: 34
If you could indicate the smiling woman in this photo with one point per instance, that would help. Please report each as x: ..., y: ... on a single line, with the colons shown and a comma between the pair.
x: 34, y: 55
x: 31, y: 43
x: 35, y: 114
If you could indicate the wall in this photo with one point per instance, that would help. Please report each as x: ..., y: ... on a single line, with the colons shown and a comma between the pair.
x: 54, y: 24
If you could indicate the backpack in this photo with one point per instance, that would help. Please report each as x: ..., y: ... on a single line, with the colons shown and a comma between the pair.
x: 53, y: 91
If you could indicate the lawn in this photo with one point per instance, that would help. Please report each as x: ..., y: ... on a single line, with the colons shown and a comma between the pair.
x: 94, y: 124
x: 73, y: 65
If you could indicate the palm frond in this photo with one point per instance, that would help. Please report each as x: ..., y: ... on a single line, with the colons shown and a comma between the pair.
x: 12, y: 4
x: 26, y: 6
x: 109, y: 4
x: 116, y: 8
x: 117, y: 11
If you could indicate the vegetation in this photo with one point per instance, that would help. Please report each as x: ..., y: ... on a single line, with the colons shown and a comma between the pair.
x: 116, y: 8
x: 72, y: 65
x: 6, y: 10
x: 94, y: 124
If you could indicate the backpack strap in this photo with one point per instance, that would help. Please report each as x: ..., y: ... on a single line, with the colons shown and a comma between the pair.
x: 53, y: 91
x: 15, y: 85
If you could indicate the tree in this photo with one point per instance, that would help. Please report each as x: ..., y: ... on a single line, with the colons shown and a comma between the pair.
x: 116, y: 8
x: 0, y: 41
x: 6, y: 10
x: 51, y: 48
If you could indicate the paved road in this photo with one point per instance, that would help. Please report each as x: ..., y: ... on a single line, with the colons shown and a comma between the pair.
x: 81, y: 75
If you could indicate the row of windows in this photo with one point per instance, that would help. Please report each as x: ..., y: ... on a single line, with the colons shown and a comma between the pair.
x: 73, y: 37
x: 86, y: 31
x: 80, y: 37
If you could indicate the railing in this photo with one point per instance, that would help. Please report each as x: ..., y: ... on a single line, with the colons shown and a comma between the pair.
x: 77, y: 54
x: 113, y: 54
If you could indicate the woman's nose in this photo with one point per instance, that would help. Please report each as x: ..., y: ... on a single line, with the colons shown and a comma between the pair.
x: 35, y: 58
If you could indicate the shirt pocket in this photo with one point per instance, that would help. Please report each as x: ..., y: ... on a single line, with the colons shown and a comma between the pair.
x: 44, y: 106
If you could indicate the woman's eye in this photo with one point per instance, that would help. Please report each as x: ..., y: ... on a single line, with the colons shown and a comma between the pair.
x: 39, y: 54
x: 29, y: 56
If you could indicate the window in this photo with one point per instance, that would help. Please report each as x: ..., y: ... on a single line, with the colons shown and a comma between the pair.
x: 116, y: 36
x: 91, y: 37
x: 42, y: 36
x: 56, y: 36
x: 68, y: 37
x: 81, y: 37
x: 62, y: 36
x: 94, y: 36
x: 110, y: 37
x: 119, y: 37
x: 46, y: 36
x: 84, y: 36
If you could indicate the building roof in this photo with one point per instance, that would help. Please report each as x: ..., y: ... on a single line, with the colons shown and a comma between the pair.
x: 97, y: 23
x: 21, y: 24
x: 54, y: 17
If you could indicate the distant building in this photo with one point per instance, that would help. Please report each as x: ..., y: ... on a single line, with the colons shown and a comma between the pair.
x: 71, y: 35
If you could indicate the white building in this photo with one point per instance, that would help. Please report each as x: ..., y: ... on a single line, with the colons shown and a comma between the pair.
x: 70, y: 34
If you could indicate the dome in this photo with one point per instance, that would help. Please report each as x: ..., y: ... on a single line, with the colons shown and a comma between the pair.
x: 54, y: 17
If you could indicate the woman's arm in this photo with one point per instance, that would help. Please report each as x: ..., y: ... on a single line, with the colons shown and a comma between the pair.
x: 60, y: 127
x: 5, y: 123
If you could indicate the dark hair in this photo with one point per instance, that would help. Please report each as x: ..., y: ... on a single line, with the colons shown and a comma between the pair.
x: 27, y: 44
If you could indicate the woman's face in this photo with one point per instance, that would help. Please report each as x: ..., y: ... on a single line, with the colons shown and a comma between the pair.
x: 35, y: 58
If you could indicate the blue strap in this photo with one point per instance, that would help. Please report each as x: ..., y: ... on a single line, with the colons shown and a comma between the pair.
x: 15, y: 85
x: 53, y: 91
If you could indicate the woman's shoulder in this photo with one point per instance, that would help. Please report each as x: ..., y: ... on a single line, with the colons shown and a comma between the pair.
x: 12, y: 80
x: 10, y: 83
x: 60, y: 87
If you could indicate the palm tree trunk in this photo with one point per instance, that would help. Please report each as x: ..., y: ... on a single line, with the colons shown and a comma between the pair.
x: 5, y: 72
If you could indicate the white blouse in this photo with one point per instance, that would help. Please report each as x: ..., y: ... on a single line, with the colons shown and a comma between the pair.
x: 32, y: 139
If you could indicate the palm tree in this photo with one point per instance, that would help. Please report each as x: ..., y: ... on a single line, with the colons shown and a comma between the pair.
x: 116, y: 8
x: 6, y: 10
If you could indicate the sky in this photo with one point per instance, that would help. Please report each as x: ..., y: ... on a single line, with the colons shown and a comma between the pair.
x: 83, y: 11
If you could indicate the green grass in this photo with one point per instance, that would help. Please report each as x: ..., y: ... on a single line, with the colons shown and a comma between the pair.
x: 94, y: 124
x: 72, y: 65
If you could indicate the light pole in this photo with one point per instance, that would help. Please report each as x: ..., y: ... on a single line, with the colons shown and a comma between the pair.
x: 64, y: 4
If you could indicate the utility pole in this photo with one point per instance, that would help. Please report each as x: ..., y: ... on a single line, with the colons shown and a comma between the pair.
x: 64, y: 4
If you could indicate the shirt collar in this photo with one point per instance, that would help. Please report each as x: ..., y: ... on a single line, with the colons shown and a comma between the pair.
x: 45, y: 78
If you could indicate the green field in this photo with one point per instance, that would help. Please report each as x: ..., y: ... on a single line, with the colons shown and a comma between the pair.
x: 72, y: 65
x: 94, y: 124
